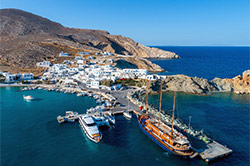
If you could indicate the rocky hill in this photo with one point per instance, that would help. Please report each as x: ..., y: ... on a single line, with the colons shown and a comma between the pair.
x: 27, y: 38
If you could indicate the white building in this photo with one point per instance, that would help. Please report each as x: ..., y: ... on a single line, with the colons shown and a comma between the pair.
x: 80, y: 53
x: 63, y: 54
x: 10, y: 78
x: 78, y: 58
x: 27, y: 76
x: 93, y: 84
x: 107, y: 53
x: 43, y: 64
x: 135, y: 72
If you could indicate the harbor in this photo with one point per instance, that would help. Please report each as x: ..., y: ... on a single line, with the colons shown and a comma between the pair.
x: 108, y: 133
x: 117, y: 102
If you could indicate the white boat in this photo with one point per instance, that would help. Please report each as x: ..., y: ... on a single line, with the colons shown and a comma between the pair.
x: 60, y: 119
x: 28, y: 97
x: 71, y: 116
x: 100, y: 120
x: 79, y: 94
x: 90, y: 128
x: 110, y: 118
x: 127, y: 115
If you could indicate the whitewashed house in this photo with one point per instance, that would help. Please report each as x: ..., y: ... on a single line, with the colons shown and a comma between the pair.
x: 27, y: 76
x: 63, y: 54
x: 93, y: 84
x: 10, y: 78
x: 43, y: 64
x: 80, y: 53
x: 135, y: 72
x: 78, y: 58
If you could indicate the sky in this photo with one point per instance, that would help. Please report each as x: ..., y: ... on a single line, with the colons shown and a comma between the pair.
x: 152, y: 22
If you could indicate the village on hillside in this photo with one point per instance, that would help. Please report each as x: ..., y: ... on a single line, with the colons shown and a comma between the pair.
x: 96, y: 73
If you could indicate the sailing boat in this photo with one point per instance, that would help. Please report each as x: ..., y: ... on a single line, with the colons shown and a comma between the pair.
x: 162, y: 134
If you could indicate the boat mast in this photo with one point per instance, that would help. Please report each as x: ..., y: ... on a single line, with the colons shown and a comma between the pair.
x: 172, y: 126
x: 147, y: 97
x: 159, y: 118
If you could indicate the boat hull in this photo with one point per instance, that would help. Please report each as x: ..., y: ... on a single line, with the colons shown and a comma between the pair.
x: 154, y: 139
x: 89, y: 136
x: 164, y: 145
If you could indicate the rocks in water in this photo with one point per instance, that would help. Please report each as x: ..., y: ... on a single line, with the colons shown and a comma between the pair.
x: 242, y: 84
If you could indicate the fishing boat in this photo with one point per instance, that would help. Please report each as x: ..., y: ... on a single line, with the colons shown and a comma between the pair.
x: 90, y: 128
x: 162, y: 134
x: 60, y: 119
x: 28, y: 97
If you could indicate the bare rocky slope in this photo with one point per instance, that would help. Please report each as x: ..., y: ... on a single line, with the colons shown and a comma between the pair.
x: 27, y: 38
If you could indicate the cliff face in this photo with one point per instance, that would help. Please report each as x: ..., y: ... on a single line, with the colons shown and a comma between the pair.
x: 242, y: 84
x: 182, y: 83
x: 27, y: 38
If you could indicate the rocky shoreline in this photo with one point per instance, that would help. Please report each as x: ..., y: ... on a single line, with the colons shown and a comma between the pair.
x: 182, y: 83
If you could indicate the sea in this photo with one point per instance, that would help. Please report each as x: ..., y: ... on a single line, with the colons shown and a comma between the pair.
x: 206, y: 62
x: 31, y: 135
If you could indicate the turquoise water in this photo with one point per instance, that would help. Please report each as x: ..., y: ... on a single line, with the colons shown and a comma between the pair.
x: 30, y: 134
x: 207, y: 62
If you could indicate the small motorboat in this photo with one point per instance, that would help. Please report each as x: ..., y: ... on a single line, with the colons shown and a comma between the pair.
x: 79, y: 94
x: 127, y: 115
x: 71, y: 118
x: 28, y: 97
x: 60, y: 119
x: 110, y: 118
x: 100, y: 120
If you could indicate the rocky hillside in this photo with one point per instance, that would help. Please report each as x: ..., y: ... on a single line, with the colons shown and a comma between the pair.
x: 27, y: 38
x: 239, y: 84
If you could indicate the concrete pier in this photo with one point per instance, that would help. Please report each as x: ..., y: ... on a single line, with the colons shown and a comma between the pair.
x: 214, y: 151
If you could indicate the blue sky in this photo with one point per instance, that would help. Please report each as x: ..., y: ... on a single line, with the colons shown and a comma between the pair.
x: 152, y: 22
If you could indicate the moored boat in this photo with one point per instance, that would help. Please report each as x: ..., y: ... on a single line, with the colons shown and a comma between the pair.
x: 164, y: 135
x: 127, y: 115
x: 90, y: 128
x: 110, y: 118
x: 100, y: 120
x: 28, y: 97
x: 60, y: 119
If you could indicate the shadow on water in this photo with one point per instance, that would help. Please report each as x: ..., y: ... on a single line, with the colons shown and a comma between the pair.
x: 37, y: 99
x: 114, y: 136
